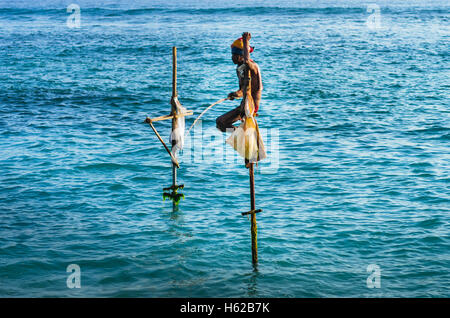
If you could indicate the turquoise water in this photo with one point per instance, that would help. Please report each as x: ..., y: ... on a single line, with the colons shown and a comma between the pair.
x: 360, y: 118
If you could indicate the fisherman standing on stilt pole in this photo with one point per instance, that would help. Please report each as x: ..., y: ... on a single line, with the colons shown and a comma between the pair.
x: 246, y: 139
x: 241, y: 57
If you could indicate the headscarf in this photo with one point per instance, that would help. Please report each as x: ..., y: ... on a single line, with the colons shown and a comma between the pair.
x: 238, y: 47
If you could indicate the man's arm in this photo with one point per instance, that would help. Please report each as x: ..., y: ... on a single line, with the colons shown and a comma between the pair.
x: 252, y: 66
x: 246, y: 36
x: 238, y: 93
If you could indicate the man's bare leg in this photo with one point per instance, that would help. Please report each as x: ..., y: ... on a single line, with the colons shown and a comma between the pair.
x: 226, y: 120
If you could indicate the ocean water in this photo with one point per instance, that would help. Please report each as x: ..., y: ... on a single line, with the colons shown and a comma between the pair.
x: 358, y: 131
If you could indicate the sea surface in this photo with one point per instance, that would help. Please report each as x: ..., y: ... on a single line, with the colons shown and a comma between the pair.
x: 356, y: 116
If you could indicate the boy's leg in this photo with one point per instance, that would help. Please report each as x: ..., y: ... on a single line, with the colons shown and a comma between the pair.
x: 226, y: 120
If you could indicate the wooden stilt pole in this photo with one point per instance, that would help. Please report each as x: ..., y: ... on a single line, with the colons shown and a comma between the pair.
x: 254, y: 229
x: 175, y: 113
x: 252, y: 212
x: 174, y: 119
x: 174, y: 72
x: 174, y: 185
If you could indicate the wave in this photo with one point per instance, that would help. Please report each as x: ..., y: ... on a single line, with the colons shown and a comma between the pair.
x: 249, y: 11
x: 261, y: 10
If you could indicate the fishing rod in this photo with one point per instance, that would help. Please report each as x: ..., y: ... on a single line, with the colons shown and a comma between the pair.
x: 203, y: 112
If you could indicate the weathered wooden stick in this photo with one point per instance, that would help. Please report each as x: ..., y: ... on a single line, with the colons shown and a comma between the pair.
x: 161, y: 118
x: 254, y: 229
x: 174, y: 160
x: 251, y: 212
x: 174, y: 186
x: 174, y: 72
x: 181, y: 186
x: 175, y: 103
x: 188, y: 113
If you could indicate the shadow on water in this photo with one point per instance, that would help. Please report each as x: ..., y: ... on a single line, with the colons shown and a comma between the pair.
x: 252, y: 283
x: 175, y: 214
x: 175, y: 208
x: 176, y: 224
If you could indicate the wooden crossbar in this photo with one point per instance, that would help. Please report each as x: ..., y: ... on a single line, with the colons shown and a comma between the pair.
x: 188, y: 113
x: 251, y: 212
x: 174, y: 160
